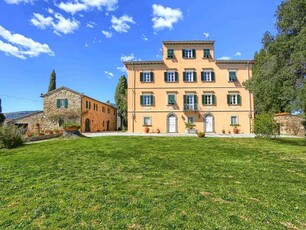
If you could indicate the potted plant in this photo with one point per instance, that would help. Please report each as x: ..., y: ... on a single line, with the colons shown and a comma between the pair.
x: 146, y: 129
x: 235, y: 129
x: 201, y: 134
x: 189, y: 128
x: 223, y: 131
x: 71, y: 127
x: 157, y: 130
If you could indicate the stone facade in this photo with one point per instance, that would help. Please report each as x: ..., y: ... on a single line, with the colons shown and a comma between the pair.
x: 65, y: 105
x: 290, y: 124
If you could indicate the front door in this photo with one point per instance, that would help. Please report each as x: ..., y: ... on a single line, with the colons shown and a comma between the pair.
x: 87, y: 125
x: 107, y: 125
x: 172, y: 124
x: 209, y: 124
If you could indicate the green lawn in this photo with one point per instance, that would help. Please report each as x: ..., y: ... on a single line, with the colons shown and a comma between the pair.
x: 154, y: 183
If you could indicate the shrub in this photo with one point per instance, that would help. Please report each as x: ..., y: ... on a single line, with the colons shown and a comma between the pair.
x: 70, y: 124
x: 11, y: 136
x: 265, y: 126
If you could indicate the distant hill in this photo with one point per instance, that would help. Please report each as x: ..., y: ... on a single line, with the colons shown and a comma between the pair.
x: 14, y: 115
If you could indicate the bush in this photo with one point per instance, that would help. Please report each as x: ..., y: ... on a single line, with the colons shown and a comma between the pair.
x: 11, y: 136
x: 265, y: 126
x: 71, y: 124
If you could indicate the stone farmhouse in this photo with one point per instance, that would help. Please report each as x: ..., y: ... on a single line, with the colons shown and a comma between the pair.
x: 66, y: 105
x: 189, y: 86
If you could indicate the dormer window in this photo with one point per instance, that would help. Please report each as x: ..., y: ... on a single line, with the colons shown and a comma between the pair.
x: 206, y: 53
x: 232, y: 77
x: 170, y: 53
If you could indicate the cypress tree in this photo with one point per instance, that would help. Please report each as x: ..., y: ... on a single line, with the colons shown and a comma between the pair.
x: 52, y: 84
x: 121, y: 100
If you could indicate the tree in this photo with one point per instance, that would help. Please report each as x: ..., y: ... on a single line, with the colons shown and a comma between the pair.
x: 279, y: 72
x: 52, y: 84
x: 121, y: 100
x: 2, y: 117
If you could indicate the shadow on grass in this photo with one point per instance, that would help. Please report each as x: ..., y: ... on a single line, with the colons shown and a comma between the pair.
x: 291, y: 141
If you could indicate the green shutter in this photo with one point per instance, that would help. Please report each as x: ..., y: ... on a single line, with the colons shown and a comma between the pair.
x: 212, y: 76
x: 173, y: 99
x: 194, y: 76
x: 176, y: 76
x: 66, y: 103
x: 183, y: 53
x: 203, y: 99
x: 185, y: 99
x: 152, y: 76
x: 238, y: 100
x: 165, y: 76
x: 152, y: 100
x: 228, y: 99
x: 184, y: 76
x: 58, y: 103
x: 194, y: 53
x: 141, y: 76
x: 195, y: 99
x: 202, y: 76
x: 141, y: 100
x: 169, y: 99
x: 213, y: 99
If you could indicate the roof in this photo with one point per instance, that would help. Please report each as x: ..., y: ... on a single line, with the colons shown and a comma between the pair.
x: 195, y: 42
x: 75, y: 92
x: 28, y: 115
x: 160, y: 62
x: 234, y: 61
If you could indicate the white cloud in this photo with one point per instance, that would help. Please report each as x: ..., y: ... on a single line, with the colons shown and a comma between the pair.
x: 21, y: 46
x: 59, y: 24
x: 238, y: 53
x: 107, y: 34
x: 144, y: 37
x: 17, y: 1
x: 51, y: 11
x: 130, y: 57
x: 120, y: 24
x: 224, y: 58
x: 109, y: 74
x: 91, y: 24
x: 86, y: 45
x: 122, y: 69
x: 165, y: 17
x: 206, y: 34
x: 77, y: 6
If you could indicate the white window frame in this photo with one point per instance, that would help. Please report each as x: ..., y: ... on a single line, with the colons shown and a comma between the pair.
x: 237, y: 120
x: 233, y: 98
x: 149, y: 118
x: 191, y: 118
x: 147, y: 76
x: 232, y: 70
x: 210, y: 95
x: 171, y: 76
x: 147, y: 99
x: 209, y: 77
x: 189, y: 76
x: 188, y: 53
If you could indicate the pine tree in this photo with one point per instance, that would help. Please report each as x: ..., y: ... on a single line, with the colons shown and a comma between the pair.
x: 52, y: 84
x: 121, y: 100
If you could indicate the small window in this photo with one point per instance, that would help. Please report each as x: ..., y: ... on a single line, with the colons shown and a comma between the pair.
x: 234, y: 120
x: 170, y: 53
x: 208, y: 76
x: 233, y: 99
x: 206, y: 53
x: 146, y: 100
x: 147, y: 121
x: 171, y: 76
x: 190, y: 120
x: 232, y: 76
x: 89, y: 105
x: 188, y: 53
x: 208, y: 99
x: 62, y: 103
x: 108, y: 110
x: 147, y: 77
x: 171, y: 99
x: 103, y: 109
x: 189, y: 76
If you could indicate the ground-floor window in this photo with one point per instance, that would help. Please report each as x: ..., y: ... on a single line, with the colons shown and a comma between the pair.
x: 190, y: 120
x: 147, y: 121
x: 234, y: 120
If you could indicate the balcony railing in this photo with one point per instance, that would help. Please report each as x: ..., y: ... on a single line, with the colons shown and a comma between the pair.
x: 192, y: 107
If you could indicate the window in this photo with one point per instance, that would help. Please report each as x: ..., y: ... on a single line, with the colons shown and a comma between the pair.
x: 208, y: 75
x: 190, y: 102
x: 171, y: 76
x: 206, y: 53
x: 189, y: 76
x: 171, y: 99
x: 208, y: 99
x: 232, y: 76
x: 62, y: 103
x: 188, y: 53
x: 147, y: 121
x: 103, y: 109
x: 146, y: 100
x: 233, y: 99
x: 95, y: 107
x: 146, y: 77
x: 234, y: 120
x: 190, y: 120
x: 88, y: 105
x: 170, y: 53
x: 108, y: 110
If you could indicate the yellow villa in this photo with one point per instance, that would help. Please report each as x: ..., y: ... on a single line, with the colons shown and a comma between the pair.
x: 189, y: 86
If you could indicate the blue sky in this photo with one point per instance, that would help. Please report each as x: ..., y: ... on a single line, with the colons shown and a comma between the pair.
x: 85, y: 41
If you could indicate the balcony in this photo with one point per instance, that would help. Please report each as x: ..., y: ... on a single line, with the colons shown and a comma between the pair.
x: 191, y: 107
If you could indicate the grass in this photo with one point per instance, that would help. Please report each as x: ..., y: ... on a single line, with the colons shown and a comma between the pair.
x: 154, y: 183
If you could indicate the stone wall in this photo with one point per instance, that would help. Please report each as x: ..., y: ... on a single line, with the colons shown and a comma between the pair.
x: 290, y: 124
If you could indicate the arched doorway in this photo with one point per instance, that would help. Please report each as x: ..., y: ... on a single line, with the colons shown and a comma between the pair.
x: 172, y: 123
x: 107, y: 125
x: 209, y: 123
x: 87, y: 125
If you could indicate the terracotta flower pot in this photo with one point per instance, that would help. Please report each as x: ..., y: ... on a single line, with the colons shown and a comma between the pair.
x: 71, y: 128
x: 236, y: 130
x: 146, y: 129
